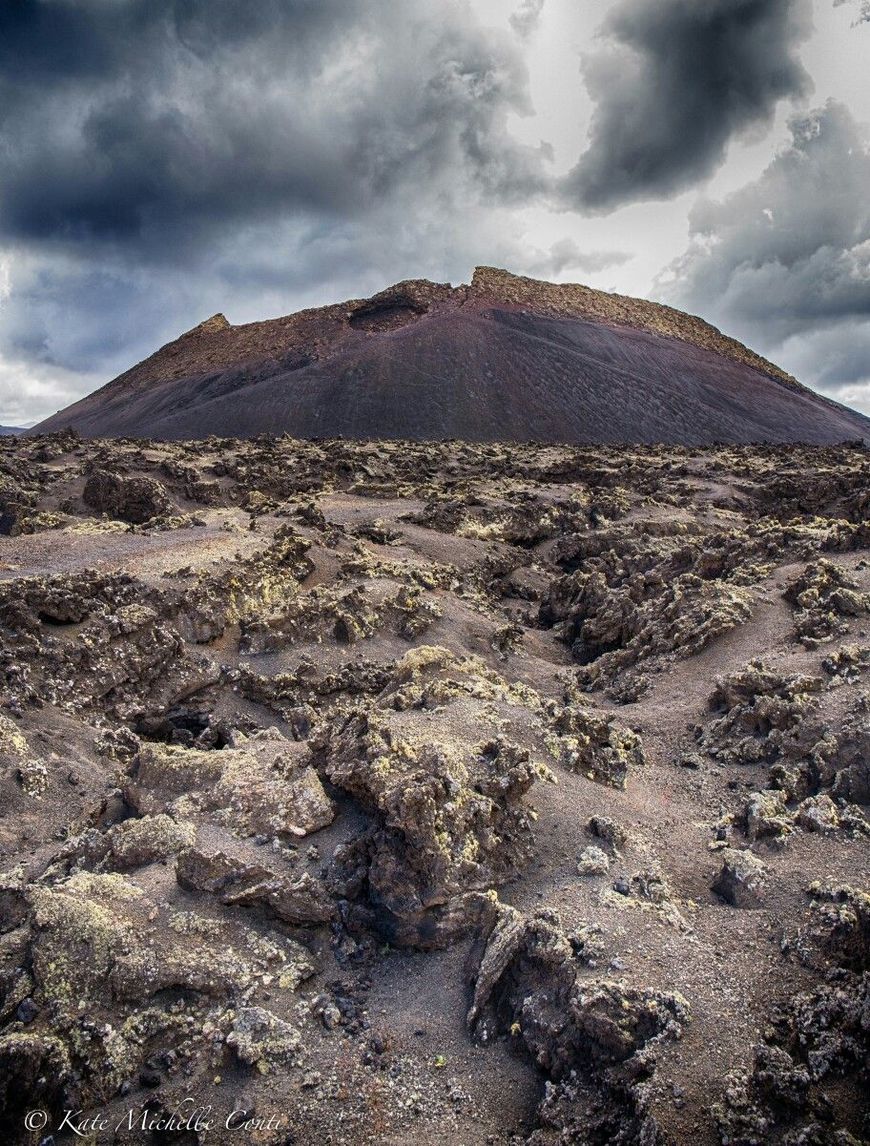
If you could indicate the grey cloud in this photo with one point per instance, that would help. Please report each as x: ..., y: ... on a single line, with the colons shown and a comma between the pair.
x: 69, y: 315
x: 672, y: 83
x: 527, y: 17
x: 567, y: 255
x: 27, y: 394
x: 784, y: 263
x: 836, y: 359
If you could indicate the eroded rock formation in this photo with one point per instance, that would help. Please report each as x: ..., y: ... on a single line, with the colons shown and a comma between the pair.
x: 308, y: 749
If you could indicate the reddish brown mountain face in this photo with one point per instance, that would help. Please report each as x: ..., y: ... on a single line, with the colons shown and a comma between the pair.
x: 505, y: 358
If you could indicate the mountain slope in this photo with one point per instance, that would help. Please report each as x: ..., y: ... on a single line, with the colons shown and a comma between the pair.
x: 504, y: 358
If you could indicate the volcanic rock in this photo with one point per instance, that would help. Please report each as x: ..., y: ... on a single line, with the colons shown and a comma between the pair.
x: 742, y: 878
x: 531, y: 984
x: 265, y: 793
x: 136, y: 500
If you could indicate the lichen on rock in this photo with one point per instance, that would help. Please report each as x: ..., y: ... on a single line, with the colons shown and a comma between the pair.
x: 448, y: 821
x: 822, y: 596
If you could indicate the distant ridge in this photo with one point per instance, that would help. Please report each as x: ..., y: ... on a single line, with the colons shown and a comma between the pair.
x: 502, y: 358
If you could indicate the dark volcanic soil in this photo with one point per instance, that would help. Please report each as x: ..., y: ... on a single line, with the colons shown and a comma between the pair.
x: 451, y: 793
x: 502, y: 359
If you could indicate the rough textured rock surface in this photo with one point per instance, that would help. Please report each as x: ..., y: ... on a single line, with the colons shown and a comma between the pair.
x: 557, y: 363
x: 822, y: 597
x: 586, y: 1033
x: 444, y: 782
x: 135, y: 500
x: 742, y: 878
x: 343, y: 741
x: 818, y: 1040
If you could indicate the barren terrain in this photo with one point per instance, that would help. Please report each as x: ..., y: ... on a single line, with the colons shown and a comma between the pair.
x: 443, y: 793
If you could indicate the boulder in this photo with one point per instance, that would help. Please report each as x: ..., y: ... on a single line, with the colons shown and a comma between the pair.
x: 742, y: 878
x: 134, y: 500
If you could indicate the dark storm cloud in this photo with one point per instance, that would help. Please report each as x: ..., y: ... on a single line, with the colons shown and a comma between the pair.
x: 785, y: 262
x: 146, y: 123
x: 674, y: 81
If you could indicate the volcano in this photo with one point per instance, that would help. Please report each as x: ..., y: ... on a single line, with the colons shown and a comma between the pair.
x: 504, y: 358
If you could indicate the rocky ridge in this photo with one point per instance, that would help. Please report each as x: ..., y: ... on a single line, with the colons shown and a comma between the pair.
x: 549, y: 363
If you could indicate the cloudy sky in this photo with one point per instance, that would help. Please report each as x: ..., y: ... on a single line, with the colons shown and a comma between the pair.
x: 161, y: 160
